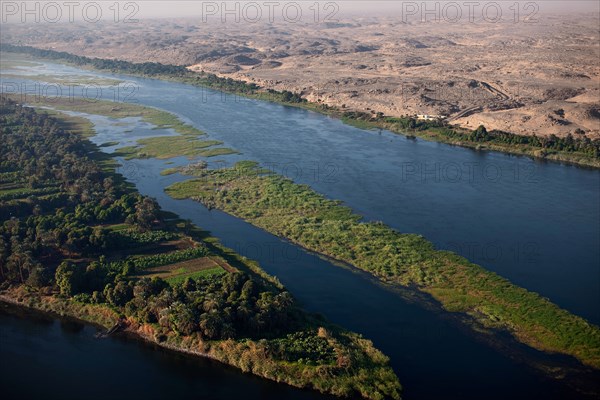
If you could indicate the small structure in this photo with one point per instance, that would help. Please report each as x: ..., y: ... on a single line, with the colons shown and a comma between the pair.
x: 426, y: 117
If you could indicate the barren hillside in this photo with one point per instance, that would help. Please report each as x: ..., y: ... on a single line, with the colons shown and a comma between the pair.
x: 540, y: 78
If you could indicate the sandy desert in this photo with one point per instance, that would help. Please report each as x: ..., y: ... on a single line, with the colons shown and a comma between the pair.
x: 527, y: 78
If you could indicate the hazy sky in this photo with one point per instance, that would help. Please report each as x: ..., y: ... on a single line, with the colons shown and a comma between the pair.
x: 17, y: 11
x: 157, y: 8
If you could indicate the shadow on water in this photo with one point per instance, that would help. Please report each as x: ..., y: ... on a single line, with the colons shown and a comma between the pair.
x: 507, y: 213
x: 425, y: 345
x: 44, y: 357
x: 434, y: 355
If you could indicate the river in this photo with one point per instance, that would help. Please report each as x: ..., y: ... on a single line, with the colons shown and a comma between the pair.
x: 532, y: 222
x: 48, y: 358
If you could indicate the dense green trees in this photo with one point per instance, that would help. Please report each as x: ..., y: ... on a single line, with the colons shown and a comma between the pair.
x: 34, y: 151
x: 72, y: 279
x: 290, y: 97
x: 69, y: 278
x: 68, y: 235
x: 552, y: 142
x: 147, y: 68
x: 146, y: 213
x: 118, y: 294
x: 229, y: 306
x: 75, y: 245
x: 583, y: 145
x: 297, y: 213
x: 304, y: 346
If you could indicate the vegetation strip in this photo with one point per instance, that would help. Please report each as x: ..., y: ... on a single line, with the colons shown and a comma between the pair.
x: 163, y: 147
x: 159, y: 118
x: 83, y: 251
x: 186, y: 144
x: 297, y: 213
x: 574, y: 150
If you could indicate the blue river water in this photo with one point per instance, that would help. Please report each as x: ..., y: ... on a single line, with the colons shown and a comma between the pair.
x: 533, y: 222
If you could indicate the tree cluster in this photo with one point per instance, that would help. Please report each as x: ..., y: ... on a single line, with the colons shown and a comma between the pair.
x: 63, y: 246
x: 37, y: 231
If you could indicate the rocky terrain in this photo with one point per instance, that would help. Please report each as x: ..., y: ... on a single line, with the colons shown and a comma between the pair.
x: 528, y: 78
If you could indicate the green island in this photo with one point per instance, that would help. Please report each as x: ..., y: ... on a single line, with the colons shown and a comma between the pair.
x: 299, y: 214
x: 571, y: 149
x: 109, y: 144
x: 408, y: 260
x: 77, y: 240
x: 186, y: 143
x: 163, y: 147
x: 159, y: 118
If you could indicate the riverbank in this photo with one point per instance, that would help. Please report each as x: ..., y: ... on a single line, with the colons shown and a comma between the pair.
x: 456, y: 136
x: 186, y: 141
x: 575, y: 151
x: 248, y: 356
x: 302, y: 216
x: 486, y: 316
x: 101, y: 268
